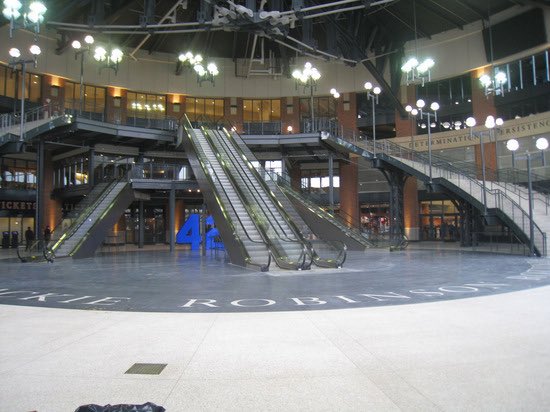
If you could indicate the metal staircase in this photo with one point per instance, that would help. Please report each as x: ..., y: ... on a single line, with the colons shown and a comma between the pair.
x: 501, y: 201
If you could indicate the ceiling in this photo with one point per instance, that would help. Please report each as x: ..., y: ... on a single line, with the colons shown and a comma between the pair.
x: 348, y: 29
x: 367, y: 32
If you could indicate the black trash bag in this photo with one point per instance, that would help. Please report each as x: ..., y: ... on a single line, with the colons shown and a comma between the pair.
x: 146, y: 407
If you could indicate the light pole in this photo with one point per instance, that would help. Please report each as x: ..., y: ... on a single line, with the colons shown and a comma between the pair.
x: 434, y: 107
x: 17, y: 61
x: 308, y: 78
x: 490, y: 123
x: 542, y: 144
x: 79, y: 50
x: 372, y: 95
x: 412, y: 115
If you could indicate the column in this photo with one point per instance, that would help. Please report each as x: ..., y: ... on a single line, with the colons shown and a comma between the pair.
x: 115, y: 105
x: 407, y: 127
x: 346, y: 110
x: 233, y: 111
x: 141, y: 225
x: 172, y: 219
x: 483, y: 106
x: 48, y: 210
x: 290, y: 114
x: 349, y: 193
x: 411, y: 212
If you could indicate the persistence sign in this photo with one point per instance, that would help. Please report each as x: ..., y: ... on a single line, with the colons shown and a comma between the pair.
x: 516, y: 128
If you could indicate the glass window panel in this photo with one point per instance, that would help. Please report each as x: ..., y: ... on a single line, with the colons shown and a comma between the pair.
x: 247, y: 110
x: 99, y: 99
x: 11, y: 77
x: 265, y: 111
x: 69, y: 95
x: 3, y: 76
x: 256, y: 110
x: 304, y: 108
x: 219, y: 108
x: 190, y: 108
x: 323, y: 110
x: 275, y: 110
x: 199, y: 108
x: 209, y: 107
x: 35, y: 88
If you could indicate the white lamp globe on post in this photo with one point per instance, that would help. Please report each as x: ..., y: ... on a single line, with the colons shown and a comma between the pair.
x: 372, y: 94
x: 541, y: 144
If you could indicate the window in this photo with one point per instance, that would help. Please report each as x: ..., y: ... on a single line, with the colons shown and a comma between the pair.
x: 147, y: 106
x: 261, y: 111
x: 10, y: 78
x: 196, y: 107
x: 322, y: 107
x: 93, y: 97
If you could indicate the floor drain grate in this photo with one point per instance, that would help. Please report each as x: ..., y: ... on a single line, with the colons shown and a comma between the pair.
x: 146, y: 368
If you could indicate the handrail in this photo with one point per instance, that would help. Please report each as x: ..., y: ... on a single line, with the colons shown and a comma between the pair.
x: 301, y: 263
x: 393, y: 152
x: 210, y: 173
x: 33, y: 252
x: 267, y: 190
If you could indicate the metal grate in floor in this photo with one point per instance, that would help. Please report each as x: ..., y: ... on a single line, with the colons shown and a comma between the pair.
x: 146, y: 369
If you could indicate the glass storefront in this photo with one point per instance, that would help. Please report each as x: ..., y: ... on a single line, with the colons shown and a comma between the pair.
x: 439, y: 220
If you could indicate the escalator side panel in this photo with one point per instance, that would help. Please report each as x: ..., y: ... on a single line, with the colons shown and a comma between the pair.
x: 97, y: 233
x: 323, y: 228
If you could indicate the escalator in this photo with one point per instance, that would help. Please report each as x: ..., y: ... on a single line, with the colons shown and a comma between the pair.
x: 99, y: 212
x: 308, y: 216
x: 285, y: 232
x: 243, y: 240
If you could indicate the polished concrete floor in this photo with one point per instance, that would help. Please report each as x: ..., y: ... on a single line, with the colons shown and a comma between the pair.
x: 415, y: 330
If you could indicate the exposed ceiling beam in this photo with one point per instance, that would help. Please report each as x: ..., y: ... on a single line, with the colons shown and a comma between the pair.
x: 441, y: 15
x: 379, y: 77
x: 481, y: 14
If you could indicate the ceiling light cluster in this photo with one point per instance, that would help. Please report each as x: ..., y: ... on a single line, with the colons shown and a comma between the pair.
x: 31, y: 17
x: 309, y: 74
x: 196, y: 61
x: 494, y: 85
x: 418, y: 72
x: 334, y: 93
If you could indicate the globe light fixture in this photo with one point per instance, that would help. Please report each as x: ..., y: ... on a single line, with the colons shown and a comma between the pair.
x: 334, y: 93
x: 493, y: 85
x: 372, y: 94
x: 428, y: 113
x: 109, y: 59
x: 490, y: 124
x: 417, y: 72
x: 195, y: 61
x: 31, y: 18
x: 308, y: 78
x: 542, y: 145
